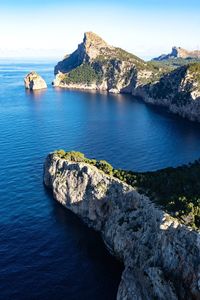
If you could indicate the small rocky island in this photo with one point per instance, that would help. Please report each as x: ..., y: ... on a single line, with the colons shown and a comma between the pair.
x: 34, y: 81
x: 161, y: 256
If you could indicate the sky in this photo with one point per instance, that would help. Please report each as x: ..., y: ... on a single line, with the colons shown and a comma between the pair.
x: 53, y: 28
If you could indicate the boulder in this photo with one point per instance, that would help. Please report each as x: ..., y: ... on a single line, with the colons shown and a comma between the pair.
x: 34, y: 81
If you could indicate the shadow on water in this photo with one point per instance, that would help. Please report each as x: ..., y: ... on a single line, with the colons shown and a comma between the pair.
x: 106, y: 270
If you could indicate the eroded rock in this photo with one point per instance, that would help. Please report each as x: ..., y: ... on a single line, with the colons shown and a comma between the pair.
x: 33, y: 81
x: 161, y: 257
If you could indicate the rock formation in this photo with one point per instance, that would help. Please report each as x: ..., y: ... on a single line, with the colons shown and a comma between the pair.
x: 161, y: 257
x: 33, y: 81
x: 178, y: 52
x: 178, y: 90
x: 97, y: 65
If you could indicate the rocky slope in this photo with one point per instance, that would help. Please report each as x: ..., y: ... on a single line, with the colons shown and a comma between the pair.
x: 33, y: 81
x: 161, y: 257
x: 178, y: 90
x: 178, y: 52
x: 97, y: 65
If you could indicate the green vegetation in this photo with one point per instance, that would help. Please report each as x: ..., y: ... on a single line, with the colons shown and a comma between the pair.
x: 80, y: 157
x: 177, y: 190
x: 194, y: 69
x: 175, y: 62
x: 84, y: 74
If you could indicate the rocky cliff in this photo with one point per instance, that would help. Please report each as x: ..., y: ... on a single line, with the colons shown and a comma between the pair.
x: 97, y: 65
x: 33, y: 81
x: 178, y: 52
x: 178, y: 90
x: 161, y: 257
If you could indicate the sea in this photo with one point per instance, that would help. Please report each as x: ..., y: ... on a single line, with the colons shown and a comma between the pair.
x: 46, y: 252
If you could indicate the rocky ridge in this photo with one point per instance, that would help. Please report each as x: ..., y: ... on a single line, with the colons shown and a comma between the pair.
x: 178, y: 90
x: 178, y: 52
x: 34, y: 81
x: 97, y: 65
x: 161, y: 257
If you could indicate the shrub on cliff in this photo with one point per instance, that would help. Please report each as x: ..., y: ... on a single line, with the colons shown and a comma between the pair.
x: 104, y: 166
x: 176, y: 189
x: 83, y: 74
x: 72, y: 155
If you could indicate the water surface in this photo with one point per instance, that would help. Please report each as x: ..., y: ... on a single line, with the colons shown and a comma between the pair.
x: 45, y: 251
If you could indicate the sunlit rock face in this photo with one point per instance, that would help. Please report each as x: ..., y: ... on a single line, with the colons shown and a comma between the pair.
x: 161, y: 257
x: 97, y: 65
x: 33, y: 81
x: 178, y: 90
x: 178, y: 52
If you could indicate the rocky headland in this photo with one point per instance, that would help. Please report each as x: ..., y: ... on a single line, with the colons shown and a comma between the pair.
x: 34, y: 81
x: 99, y: 66
x: 178, y: 52
x: 95, y: 65
x: 178, y: 90
x: 161, y: 256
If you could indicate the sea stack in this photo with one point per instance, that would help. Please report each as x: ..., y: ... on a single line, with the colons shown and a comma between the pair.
x: 34, y: 81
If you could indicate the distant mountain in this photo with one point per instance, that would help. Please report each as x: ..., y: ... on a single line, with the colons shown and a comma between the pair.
x: 97, y: 65
x: 178, y: 52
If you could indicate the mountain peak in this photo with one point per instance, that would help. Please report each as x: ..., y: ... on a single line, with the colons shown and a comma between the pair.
x: 91, y: 38
x: 92, y: 44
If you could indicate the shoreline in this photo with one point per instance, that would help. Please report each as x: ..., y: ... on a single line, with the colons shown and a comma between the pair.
x: 125, y: 220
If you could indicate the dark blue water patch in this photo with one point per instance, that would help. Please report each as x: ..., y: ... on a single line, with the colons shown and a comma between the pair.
x: 46, y: 252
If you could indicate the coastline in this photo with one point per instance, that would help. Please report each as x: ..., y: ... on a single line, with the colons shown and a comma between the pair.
x: 134, y: 229
x: 189, y: 112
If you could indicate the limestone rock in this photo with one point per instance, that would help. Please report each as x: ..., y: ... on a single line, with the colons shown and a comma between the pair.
x: 33, y: 81
x: 178, y: 52
x: 178, y: 90
x: 99, y: 66
x: 161, y: 257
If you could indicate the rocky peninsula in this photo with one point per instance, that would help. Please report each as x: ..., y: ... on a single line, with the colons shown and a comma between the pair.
x: 95, y: 65
x: 161, y: 256
x: 34, y: 81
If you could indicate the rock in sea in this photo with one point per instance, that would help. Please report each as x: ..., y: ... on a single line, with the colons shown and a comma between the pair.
x: 34, y: 81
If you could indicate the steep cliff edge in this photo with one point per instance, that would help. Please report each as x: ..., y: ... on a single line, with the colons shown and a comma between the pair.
x: 161, y: 257
x: 178, y: 90
x: 95, y: 65
x: 99, y: 66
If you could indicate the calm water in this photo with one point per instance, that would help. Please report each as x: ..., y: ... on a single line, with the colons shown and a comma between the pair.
x: 45, y: 251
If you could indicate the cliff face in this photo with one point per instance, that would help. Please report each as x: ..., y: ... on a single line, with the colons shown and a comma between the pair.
x: 160, y: 256
x: 97, y: 65
x: 178, y: 52
x: 33, y: 81
x: 178, y: 90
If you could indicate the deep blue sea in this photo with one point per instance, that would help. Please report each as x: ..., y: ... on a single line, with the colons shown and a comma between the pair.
x: 45, y: 251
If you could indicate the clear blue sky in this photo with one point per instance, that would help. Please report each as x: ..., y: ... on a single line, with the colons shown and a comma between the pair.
x: 53, y: 28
